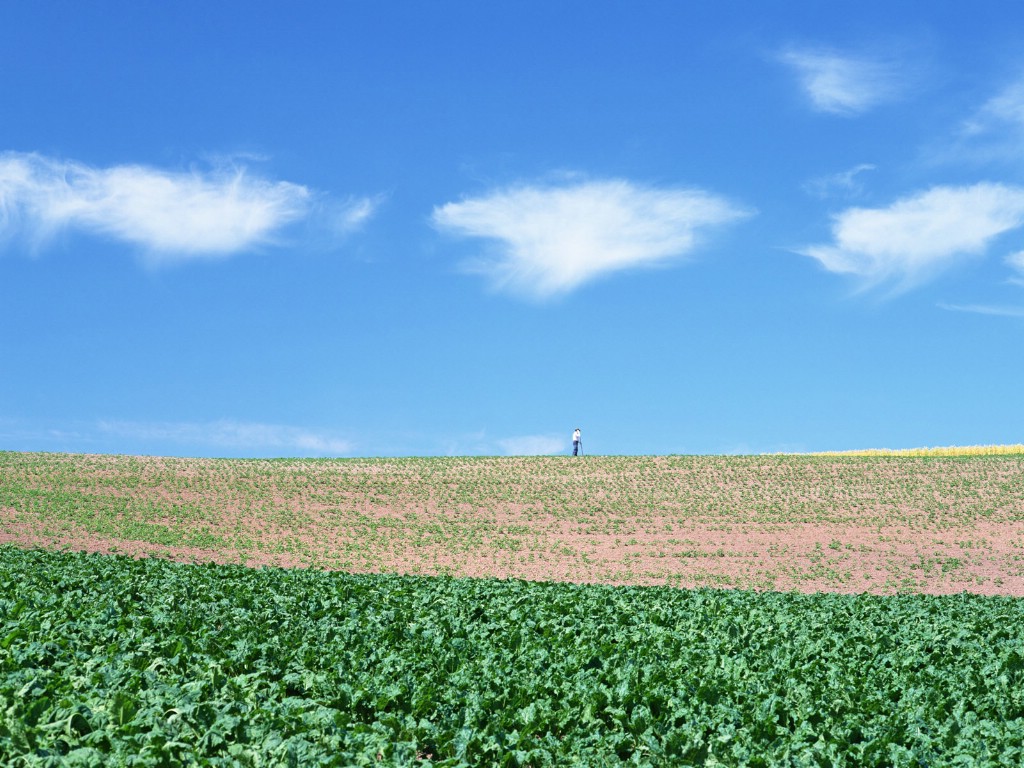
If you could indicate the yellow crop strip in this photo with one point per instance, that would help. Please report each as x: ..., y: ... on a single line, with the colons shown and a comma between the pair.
x: 954, y: 450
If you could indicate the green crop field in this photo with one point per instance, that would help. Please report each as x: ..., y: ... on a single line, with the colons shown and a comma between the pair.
x: 359, y: 639
x: 114, y: 661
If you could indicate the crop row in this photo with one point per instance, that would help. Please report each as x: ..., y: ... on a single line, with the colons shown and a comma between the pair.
x: 761, y: 489
x: 113, y: 661
x: 881, y: 524
x: 952, y: 450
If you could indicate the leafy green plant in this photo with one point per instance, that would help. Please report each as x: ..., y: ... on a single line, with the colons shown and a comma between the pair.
x: 111, y: 661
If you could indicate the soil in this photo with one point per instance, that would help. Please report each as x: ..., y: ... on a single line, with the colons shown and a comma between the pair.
x: 873, y: 546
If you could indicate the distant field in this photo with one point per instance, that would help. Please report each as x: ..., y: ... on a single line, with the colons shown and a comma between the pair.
x: 953, y: 450
x: 881, y: 524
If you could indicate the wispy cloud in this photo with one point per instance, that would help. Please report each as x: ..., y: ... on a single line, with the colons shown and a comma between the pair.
x: 843, y: 183
x: 552, y: 239
x: 532, y: 445
x: 352, y: 214
x: 920, y: 235
x: 985, y: 309
x: 17, y: 433
x: 843, y: 84
x: 1016, y: 262
x: 168, y: 215
x: 232, y: 435
x: 992, y: 135
x: 1005, y: 109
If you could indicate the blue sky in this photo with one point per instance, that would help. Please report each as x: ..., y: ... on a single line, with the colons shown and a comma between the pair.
x: 405, y: 228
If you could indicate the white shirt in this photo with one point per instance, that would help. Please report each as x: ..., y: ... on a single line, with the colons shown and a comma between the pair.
x: 576, y: 436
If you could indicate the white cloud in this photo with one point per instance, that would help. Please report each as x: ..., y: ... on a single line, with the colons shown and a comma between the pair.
x: 552, y: 239
x: 844, y: 182
x: 351, y: 215
x: 919, y: 235
x: 1004, y: 109
x: 1016, y: 262
x: 532, y: 445
x: 233, y: 435
x: 841, y: 84
x: 985, y: 309
x: 169, y: 215
x: 992, y: 135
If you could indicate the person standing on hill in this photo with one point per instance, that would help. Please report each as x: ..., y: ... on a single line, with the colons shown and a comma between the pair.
x: 576, y: 441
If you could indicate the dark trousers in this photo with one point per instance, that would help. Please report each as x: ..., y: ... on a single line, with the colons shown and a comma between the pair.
x: 575, y: 447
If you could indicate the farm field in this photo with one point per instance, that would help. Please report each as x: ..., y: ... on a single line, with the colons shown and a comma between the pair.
x: 115, y: 661
x: 362, y: 648
x: 878, y: 524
